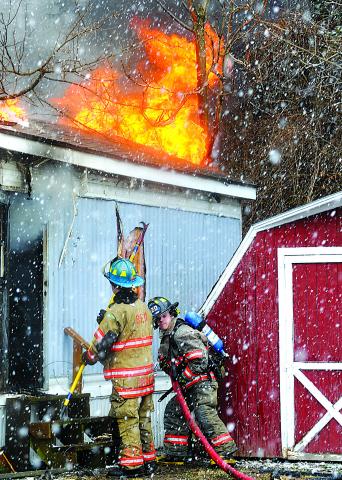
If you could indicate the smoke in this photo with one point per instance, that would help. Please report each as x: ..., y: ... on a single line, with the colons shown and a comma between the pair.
x: 39, y: 28
x: 37, y: 31
x: 52, y: 193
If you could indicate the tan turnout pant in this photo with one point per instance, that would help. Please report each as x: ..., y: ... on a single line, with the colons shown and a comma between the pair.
x: 133, y: 417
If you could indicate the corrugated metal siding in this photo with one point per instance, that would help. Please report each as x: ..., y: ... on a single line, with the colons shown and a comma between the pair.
x: 183, y: 257
x: 99, y: 406
x: 185, y: 253
x: 158, y: 419
x: 2, y: 424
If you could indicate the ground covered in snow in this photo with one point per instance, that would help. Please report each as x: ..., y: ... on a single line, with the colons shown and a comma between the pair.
x: 258, y: 469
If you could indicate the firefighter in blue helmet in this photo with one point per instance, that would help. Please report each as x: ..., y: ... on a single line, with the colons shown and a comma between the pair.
x: 187, y: 349
x: 123, y: 343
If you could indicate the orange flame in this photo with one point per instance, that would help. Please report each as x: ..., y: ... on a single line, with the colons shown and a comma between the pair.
x: 164, y: 113
x: 10, y: 111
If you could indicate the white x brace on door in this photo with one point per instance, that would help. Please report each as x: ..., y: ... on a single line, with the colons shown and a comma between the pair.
x: 300, y: 370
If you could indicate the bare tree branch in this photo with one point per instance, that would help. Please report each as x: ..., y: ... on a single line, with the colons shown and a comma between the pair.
x: 17, y: 77
x: 174, y: 17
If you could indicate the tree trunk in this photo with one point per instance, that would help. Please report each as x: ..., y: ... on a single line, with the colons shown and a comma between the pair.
x: 199, y: 20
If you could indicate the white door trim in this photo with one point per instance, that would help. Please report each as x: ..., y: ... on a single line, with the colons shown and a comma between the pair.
x: 289, y: 369
x: 332, y: 410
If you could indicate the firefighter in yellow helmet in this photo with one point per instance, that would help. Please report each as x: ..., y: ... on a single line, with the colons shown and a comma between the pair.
x: 123, y: 343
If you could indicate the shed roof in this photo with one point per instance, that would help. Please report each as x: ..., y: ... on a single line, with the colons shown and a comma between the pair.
x: 96, y: 152
x: 318, y: 206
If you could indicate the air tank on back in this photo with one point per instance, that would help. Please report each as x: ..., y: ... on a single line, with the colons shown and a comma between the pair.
x: 196, y: 321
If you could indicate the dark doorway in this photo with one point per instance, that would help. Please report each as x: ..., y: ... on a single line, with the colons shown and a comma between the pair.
x: 3, y: 297
x: 25, y: 323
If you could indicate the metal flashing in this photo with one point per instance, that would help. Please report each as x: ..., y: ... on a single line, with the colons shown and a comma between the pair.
x: 197, y: 202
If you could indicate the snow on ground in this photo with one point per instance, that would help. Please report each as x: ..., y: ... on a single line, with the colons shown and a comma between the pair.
x: 265, y: 469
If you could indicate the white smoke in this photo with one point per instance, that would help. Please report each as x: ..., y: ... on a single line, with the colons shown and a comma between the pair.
x: 52, y: 194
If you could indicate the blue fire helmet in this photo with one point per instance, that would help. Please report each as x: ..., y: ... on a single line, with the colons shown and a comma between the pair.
x: 122, y: 273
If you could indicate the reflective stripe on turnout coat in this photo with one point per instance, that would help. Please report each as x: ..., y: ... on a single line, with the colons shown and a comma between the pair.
x: 130, y: 364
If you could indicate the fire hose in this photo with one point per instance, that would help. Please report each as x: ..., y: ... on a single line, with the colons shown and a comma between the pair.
x: 197, y: 431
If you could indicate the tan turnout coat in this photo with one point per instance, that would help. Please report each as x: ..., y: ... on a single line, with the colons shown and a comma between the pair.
x: 129, y: 364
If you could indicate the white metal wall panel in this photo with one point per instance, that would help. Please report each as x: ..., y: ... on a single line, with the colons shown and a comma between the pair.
x: 2, y: 425
x: 185, y: 253
x: 158, y: 419
x: 184, y: 256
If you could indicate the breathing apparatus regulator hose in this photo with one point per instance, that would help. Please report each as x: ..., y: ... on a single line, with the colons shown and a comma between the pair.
x: 197, y: 431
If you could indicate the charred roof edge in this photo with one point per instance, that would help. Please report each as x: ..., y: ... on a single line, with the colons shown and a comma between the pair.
x: 29, y: 144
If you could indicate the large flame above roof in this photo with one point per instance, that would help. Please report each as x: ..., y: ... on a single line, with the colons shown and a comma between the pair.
x: 163, y: 112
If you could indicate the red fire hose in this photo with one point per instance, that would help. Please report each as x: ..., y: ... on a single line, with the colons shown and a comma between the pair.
x: 196, y: 430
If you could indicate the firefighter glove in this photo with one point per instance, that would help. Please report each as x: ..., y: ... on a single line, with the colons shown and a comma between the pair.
x: 89, y: 358
x: 105, y: 345
x: 164, y: 364
x: 216, y: 365
x: 100, y: 316
x: 182, y: 380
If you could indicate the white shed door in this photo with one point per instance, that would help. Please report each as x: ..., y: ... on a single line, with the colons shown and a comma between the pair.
x: 310, y: 326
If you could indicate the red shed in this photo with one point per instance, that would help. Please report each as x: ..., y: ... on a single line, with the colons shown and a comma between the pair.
x: 278, y: 308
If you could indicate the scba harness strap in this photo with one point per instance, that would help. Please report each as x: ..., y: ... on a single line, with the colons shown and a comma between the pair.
x: 180, y: 369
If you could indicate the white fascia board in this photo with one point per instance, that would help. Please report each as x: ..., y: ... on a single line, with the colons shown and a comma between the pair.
x: 313, y: 208
x: 193, y: 202
x: 125, y: 168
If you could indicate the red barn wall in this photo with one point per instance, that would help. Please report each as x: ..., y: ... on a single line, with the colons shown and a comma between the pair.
x: 245, y: 315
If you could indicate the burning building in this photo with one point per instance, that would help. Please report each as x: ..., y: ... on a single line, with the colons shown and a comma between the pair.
x: 59, y: 188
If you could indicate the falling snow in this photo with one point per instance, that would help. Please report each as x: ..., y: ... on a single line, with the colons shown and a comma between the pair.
x: 180, y: 116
